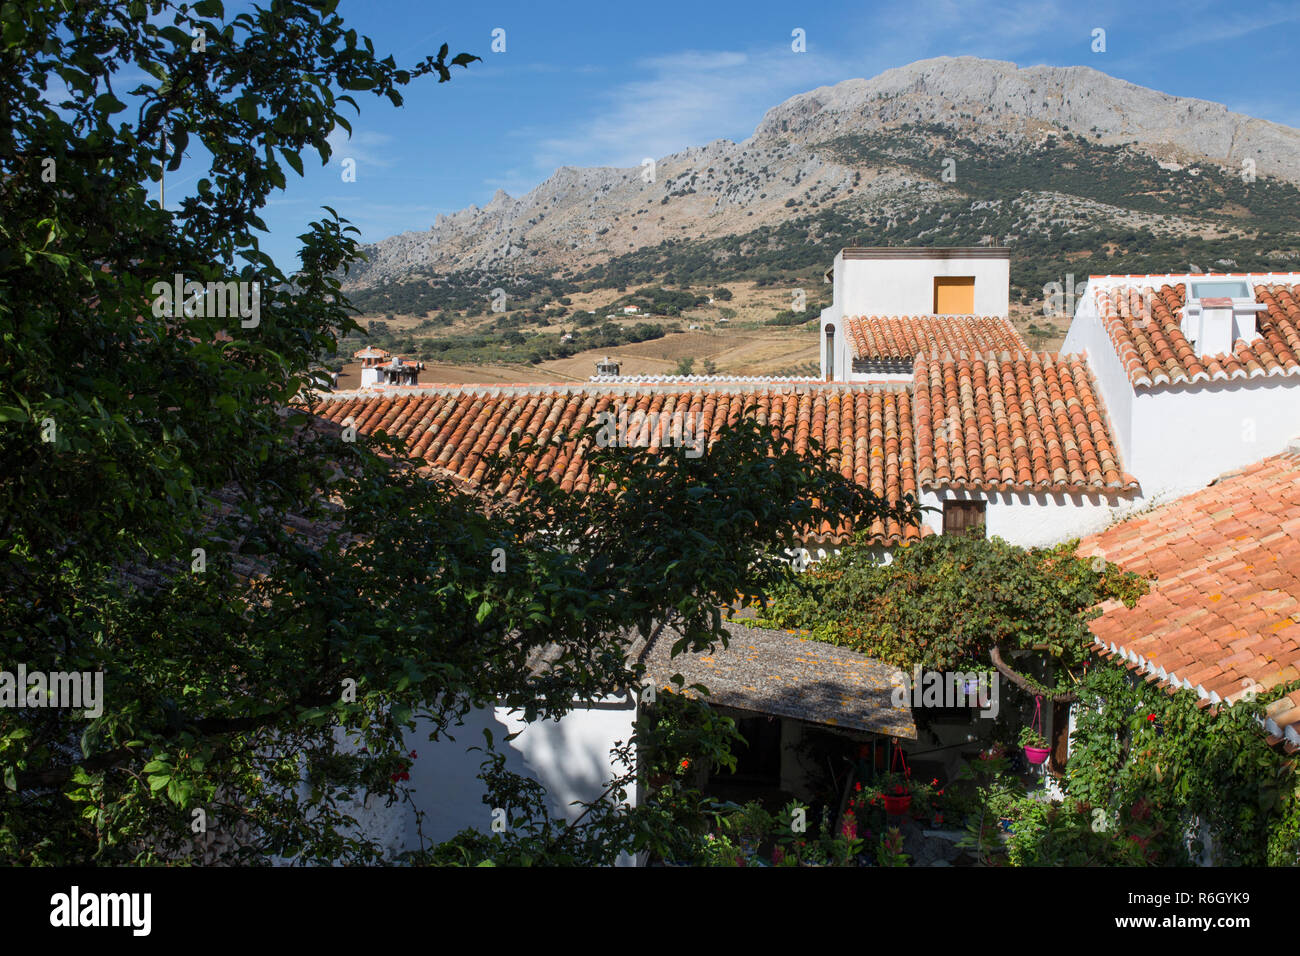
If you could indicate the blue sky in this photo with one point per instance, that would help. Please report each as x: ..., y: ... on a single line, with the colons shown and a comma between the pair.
x: 605, y: 83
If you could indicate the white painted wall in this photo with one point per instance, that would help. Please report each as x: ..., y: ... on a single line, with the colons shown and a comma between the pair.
x: 890, y: 286
x: 570, y: 757
x: 1088, y: 336
x: 1183, y: 438
x: 1031, y: 520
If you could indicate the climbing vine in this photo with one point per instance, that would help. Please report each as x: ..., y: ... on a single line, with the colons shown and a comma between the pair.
x: 957, y: 602
x: 1194, y: 770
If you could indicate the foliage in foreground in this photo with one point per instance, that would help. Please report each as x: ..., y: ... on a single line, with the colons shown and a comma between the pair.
x: 272, y: 605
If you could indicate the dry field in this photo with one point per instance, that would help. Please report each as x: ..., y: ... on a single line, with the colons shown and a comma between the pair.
x: 778, y: 351
x: 772, y: 350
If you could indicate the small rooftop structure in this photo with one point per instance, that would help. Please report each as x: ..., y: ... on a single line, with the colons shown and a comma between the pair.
x: 371, y: 356
x: 398, y: 371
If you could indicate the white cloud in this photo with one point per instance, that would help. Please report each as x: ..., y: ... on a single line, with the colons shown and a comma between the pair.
x: 693, y: 97
x: 999, y: 31
x: 367, y: 148
x: 685, y: 99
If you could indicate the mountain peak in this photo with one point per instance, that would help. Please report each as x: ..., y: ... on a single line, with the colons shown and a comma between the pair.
x: 795, y: 164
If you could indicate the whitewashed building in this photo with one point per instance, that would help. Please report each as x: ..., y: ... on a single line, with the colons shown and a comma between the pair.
x: 927, y: 391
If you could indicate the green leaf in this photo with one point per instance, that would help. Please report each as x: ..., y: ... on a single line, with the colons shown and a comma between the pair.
x: 107, y: 103
x: 293, y: 159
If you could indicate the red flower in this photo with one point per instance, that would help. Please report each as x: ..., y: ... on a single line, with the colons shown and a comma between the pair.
x: 934, y: 782
x: 857, y: 787
x: 1151, y: 716
x: 685, y: 763
x: 414, y: 755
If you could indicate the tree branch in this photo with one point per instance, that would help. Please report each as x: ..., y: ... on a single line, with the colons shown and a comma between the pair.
x: 203, y: 727
x: 995, y: 654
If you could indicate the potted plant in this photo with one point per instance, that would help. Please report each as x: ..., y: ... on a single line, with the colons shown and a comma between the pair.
x: 750, y: 824
x: 1036, y: 750
x: 895, y: 793
x: 718, y: 850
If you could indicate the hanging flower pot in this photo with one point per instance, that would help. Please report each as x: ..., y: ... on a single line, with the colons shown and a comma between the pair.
x: 894, y: 790
x: 1037, y: 755
x: 898, y: 802
x: 1031, y: 737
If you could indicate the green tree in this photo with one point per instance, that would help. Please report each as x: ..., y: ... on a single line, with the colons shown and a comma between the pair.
x: 272, y: 601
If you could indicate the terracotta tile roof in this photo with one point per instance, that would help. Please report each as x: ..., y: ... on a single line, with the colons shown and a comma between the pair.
x: 880, y: 338
x: 1143, y: 325
x: 1028, y: 422
x: 1223, y: 615
x: 650, y: 379
x: 457, y: 428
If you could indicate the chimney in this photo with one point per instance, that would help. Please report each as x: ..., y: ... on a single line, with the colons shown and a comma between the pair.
x: 1218, y: 314
x: 607, y: 366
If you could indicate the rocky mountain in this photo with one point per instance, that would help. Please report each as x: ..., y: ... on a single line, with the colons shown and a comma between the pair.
x: 1006, y: 152
x: 991, y: 101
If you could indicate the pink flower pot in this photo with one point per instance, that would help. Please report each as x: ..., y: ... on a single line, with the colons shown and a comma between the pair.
x: 1037, y: 755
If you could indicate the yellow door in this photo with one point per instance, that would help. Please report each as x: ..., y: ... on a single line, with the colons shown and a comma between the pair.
x: 954, y: 295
